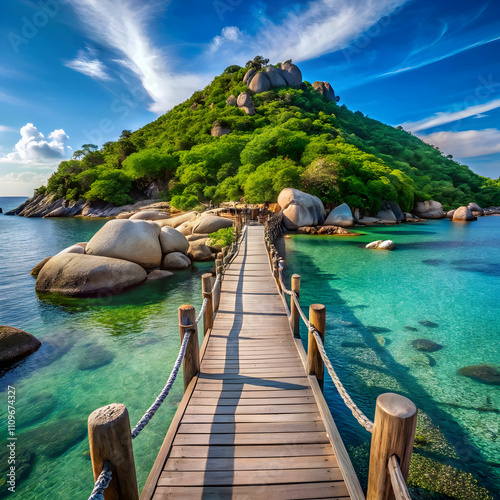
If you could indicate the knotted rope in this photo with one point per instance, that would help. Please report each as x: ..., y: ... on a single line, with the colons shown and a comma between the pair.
x: 102, y: 481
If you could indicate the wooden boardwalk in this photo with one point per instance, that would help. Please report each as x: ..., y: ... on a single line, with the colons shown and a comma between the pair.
x: 252, y: 424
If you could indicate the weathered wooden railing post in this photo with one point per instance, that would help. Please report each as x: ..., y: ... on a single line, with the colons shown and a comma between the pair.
x: 294, y: 312
x: 393, y: 434
x: 187, y: 317
x: 317, y: 318
x: 110, y: 439
x: 208, y: 315
x: 218, y: 265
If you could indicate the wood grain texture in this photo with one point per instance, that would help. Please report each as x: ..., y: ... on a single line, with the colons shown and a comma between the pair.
x: 252, y: 427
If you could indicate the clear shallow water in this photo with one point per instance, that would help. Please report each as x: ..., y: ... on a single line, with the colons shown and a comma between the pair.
x: 136, y: 334
x: 442, y: 272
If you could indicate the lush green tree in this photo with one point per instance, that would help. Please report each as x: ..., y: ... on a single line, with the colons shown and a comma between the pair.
x: 150, y: 163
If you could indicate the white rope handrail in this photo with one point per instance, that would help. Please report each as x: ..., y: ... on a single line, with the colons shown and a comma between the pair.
x: 164, y: 393
x: 102, y: 481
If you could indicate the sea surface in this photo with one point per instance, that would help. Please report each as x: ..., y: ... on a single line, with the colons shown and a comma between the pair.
x: 121, y: 349
x: 442, y: 283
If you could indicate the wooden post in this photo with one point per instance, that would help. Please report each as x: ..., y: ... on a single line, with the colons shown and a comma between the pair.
x: 393, y: 434
x: 110, y: 439
x: 187, y: 316
x: 208, y: 316
x: 218, y: 266
x: 317, y: 318
x: 294, y: 312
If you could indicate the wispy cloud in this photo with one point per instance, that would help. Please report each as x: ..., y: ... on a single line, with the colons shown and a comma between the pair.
x: 325, y: 26
x: 33, y: 147
x: 444, y: 118
x: 435, y: 59
x: 24, y: 177
x: 466, y: 144
x: 123, y: 26
x: 87, y: 63
x: 5, y: 128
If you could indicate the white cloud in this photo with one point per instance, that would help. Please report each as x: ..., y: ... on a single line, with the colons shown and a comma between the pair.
x: 35, y: 178
x: 124, y: 26
x: 5, y: 128
x: 444, y: 118
x: 466, y: 144
x: 325, y: 26
x: 34, y: 148
x: 229, y: 33
x: 87, y: 63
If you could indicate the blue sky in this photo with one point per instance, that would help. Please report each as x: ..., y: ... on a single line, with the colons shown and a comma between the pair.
x: 80, y: 71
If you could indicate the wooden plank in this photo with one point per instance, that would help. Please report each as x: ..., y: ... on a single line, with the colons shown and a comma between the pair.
x: 232, y: 410
x: 264, y: 463
x: 303, y: 491
x: 251, y: 438
x: 254, y: 392
x: 216, y: 478
x: 269, y: 417
x: 222, y: 401
x: 246, y: 428
x: 251, y: 451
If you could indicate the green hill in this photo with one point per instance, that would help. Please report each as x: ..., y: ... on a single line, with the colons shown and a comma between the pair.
x: 296, y: 138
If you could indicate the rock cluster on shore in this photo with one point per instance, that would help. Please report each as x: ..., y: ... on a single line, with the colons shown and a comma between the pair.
x: 128, y: 251
x: 16, y: 344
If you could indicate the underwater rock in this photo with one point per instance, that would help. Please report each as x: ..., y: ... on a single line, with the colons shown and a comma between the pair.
x: 40, y: 406
x: 378, y: 329
x: 484, y: 373
x: 95, y: 357
x: 54, y: 438
x: 428, y: 323
x: 16, y: 344
x: 411, y: 328
x: 426, y: 345
x: 356, y: 345
x: 23, y: 467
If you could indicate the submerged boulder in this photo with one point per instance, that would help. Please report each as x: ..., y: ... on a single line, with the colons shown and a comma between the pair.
x: 426, y: 345
x: 16, y: 344
x: 300, y: 209
x: 77, y: 275
x: 136, y: 241
x: 463, y: 214
x: 486, y: 374
x: 340, y: 216
x: 172, y: 240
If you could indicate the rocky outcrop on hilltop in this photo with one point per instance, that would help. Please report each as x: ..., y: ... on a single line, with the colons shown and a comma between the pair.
x: 325, y: 89
x: 270, y: 77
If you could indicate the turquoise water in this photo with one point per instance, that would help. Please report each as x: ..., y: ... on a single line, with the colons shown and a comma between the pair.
x: 134, y: 336
x: 441, y: 272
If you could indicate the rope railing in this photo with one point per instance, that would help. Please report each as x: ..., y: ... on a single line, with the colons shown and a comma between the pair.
x: 102, y: 482
x: 106, y: 474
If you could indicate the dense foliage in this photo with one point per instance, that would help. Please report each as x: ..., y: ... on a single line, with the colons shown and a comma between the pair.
x: 297, y: 138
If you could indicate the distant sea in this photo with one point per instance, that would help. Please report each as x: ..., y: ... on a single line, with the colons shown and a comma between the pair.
x: 96, y: 352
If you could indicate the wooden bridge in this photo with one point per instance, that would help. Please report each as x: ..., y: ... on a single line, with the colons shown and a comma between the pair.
x: 253, y: 422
